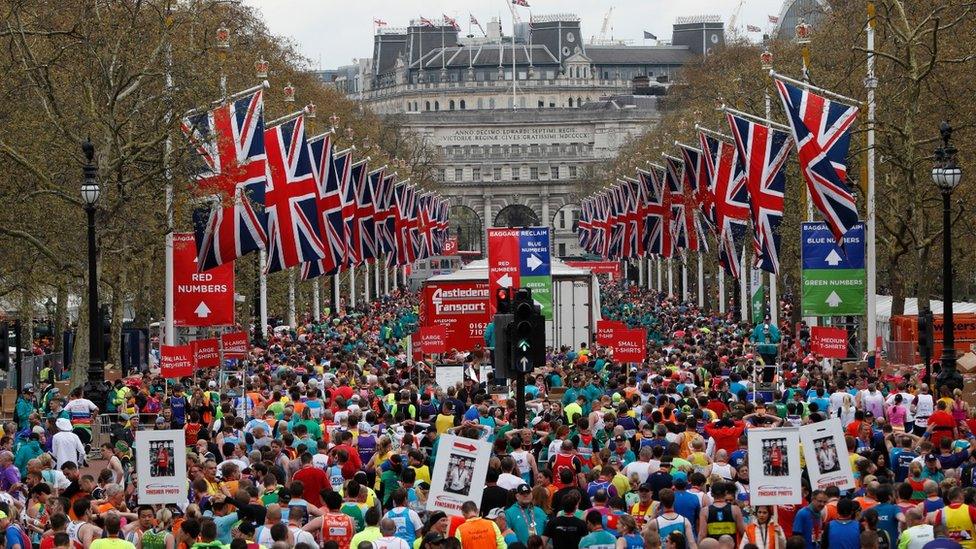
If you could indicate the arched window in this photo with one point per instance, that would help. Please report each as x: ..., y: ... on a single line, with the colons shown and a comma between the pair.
x: 450, y: 105
x: 462, y: 104
x: 579, y: 102
x: 570, y: 102
x: 491, y: 102
x: 437, y: 105
x: 427, y: 108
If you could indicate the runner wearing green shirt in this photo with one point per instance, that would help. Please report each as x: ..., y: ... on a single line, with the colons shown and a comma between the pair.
x: 598, y: 538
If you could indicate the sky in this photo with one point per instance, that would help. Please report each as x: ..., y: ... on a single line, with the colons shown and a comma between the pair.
x: 334, y: 32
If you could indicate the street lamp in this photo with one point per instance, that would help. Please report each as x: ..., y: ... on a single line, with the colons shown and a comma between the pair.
x: 90, y: 192
x: 946, y: 175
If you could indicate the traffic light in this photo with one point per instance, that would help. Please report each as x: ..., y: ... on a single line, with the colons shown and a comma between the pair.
x: 527, y: 333
x: 503, y: 355
x: 4, y: 346
x: 503, y: 300
x: 926, y: 332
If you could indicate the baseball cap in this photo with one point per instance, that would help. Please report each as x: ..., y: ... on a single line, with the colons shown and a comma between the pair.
x: 523, y: 489
x: 496, y: 512
x: 620, y: 438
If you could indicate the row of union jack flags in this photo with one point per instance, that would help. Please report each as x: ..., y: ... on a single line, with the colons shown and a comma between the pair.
x: 727, y: 184
x: 272, y: 188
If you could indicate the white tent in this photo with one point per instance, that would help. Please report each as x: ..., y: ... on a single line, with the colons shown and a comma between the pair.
x: 911, y: 308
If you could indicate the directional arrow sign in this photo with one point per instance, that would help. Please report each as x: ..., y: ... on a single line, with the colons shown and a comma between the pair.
x: 200, y: 299
x: 202, y: 310
x: 535, y: 267
x: 833, y: 258
x: 503, y: 262
x: 525, y: 364
x: 833, y: 292
x: 505, y: 281
x: 533, y: 262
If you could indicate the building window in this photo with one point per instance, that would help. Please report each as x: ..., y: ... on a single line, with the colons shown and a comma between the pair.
x: 476, y: 174
x: 462, y: 104
x: 570, y: 102
x: 427, y: 107
x: 562, y: 249
x: 450, y: 105
x: 552, y: 102
x: 515, y: 173
x: 572, y: 172
x: 458, y: 174
x: 491, y: 103
x: 579, y: 102
x: 480, y: 104
x: 534, y: 174
x: 497, y: 174
x: 441, y: 175
x: 437, y: 105
x: 542, y: 103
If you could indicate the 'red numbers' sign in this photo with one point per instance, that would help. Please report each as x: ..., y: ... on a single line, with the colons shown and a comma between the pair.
x: 200, y: 299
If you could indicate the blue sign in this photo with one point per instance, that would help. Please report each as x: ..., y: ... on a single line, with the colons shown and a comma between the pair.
x: 820, y: 250
x: 534, y: 252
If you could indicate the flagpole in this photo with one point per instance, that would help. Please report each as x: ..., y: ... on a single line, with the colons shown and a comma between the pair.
x: 684, y: 276
x: 335, y: 295
x: 721, y: 290
x: 376, y: 277
x: 701, y: 281
x: 773, y: 298
x: 316, y: 304
x: 352, y: 285
x: 263, y: 290
x: 386, y: 279
x: 670, y: 279
x: 871, y: 82
x: 291, y: 297
x: 640, y: 273
x: 169, y: 330
x: 754, y: 118
x: 744, y: 288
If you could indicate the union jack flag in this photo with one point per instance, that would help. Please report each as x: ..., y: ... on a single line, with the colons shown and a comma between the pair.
x: 405, y: 251
x: 583, y: 231
x: 822, y: 130
x: 425, y: 225
x: 451, y: 21
x: 636, y: 216
x: 291, y: 198
x: 764, y: 152
x: 731, y: 207
x: 603, y: 224
x: 683, y: 225
x: 350, y: 209
x: 657, y: 214
x: 442, y: 218
x: 365, y: 212
x: 327, y: 169
x: 618, y: 222
x: 229, y: 143
x: 523, y: 3
x: 696, y: 193
x: 424, y: 22
x: 385, y: 214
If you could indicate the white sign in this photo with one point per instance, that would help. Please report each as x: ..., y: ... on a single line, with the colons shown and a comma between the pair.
x: 774, y: 466
x: 460, y: 469
x: 448, y: 375
x: 161, y: 466
x: 825, y: 452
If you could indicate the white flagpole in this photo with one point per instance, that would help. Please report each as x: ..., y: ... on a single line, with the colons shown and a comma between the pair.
x: 366, y: 291
x: 684, y: 276
x: 670, y: 279
x: 640, y: 273
x: 660, y: 285
x: 263, y: 285
x: 872, y: 269
x: 335, y: 291
x: 744, y: 287
x: 316, y: 300
x: 721, y: 291
x: 291, y: 298
x: 386, y: 279
x: 376, y: 277
x: 169, y: 331
x: 701, y: 281
x: 773, y: 299
x: 352, y: 285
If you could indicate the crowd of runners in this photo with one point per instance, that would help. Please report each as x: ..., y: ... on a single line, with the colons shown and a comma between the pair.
x: 326, y: 438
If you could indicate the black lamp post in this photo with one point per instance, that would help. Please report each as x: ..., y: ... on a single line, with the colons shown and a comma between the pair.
x: 946, y: 175
x: 50, y: 307
x: 90, y: 192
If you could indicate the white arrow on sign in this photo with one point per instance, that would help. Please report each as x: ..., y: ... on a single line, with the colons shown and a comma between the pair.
x: 834, y: 300
x: 833, y: 258
x: 533, y: 262
x: 202, y: 310
x: 525, y: 363
x: 505, y: 281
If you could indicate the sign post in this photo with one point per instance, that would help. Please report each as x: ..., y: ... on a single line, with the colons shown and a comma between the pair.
x: 200, y: 299
x: 833, y: 277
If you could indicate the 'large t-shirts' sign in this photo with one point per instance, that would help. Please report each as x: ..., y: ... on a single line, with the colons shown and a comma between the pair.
x: 629, y: 345
x: 176, y: 361
x: 206, y: 353
x: 605, y: 331
x: 234, y: 344
x: 828, y: 342
x: 432, y: 339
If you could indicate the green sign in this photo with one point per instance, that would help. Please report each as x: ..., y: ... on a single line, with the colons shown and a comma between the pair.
x: 833, y: 292
x: 541, y: 287
x: 758, y: 293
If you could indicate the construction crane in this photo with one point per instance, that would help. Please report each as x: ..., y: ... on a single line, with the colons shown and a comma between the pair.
x: 604, y: 30
x: 735, y: 15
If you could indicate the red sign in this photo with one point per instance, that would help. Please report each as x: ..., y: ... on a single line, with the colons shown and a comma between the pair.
x: 828, y: 342
x: 629, y: 345
x: 611, y: 268
x: 605, y: 330
x: 431, y: 339
x: 235, y: 344
x: 200, y: 299
x: 450, y: 247
x: 503, y: 262
x: 461, y: 308
x: 206, y: 353
x: 175, y: 361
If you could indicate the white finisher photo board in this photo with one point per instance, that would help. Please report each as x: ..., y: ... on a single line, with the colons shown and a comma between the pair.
x: 460, y: 469
x: 161, y: 466
x: 774, y: 466
x: 825, y: 451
